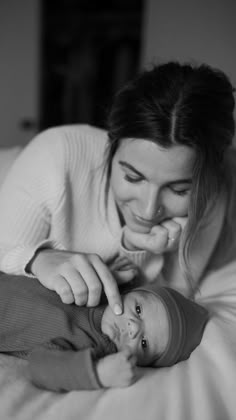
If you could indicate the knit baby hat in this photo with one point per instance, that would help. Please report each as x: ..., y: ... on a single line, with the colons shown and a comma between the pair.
x: 187, y: 321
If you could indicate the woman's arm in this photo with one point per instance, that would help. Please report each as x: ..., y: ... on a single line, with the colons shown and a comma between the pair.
x: 36, y: 218
x: 31, y: 192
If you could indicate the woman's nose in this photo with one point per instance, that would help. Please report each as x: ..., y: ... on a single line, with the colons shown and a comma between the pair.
x: 133, y: 328
x: 151, y: 204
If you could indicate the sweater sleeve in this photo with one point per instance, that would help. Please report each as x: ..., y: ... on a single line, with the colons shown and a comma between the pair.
x: 63, y: 370
x: 31, y: 193
x: 150, y: 265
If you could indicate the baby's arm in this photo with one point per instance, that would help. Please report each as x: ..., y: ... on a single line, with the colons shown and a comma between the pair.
x: 67, y: 370
x: 63, y: 370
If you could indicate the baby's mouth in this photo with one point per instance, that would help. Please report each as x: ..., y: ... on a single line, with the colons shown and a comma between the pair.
x: 117, y: 332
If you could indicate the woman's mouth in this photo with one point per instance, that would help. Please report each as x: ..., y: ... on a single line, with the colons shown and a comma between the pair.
x: 144, y: 222
x: 139, y: 223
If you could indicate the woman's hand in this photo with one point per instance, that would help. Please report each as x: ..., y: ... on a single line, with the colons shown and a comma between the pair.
x: 161, y: 238
x: 117, y: 370
x: 79, y: 278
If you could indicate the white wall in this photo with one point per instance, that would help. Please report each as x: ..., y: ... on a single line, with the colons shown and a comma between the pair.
x: 196, y: 30
x: 19, y: 68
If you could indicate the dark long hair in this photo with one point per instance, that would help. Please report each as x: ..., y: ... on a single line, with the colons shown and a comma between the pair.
x: 181, y: 104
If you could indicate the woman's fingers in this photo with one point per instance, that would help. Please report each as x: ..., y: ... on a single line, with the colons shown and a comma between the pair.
x: 123, y: 269
x: 85, y: 273
x: 182, y: 221
x: 155, y: 241
x: 63, y: 289
x: 174, y: 231
x: 125, y: 276
x: 121, y: 263
x: 78, y: 278
x: 161, y: 238
x: 174, y: 227
x: 91, y: 272
x: 109, y: 285
x: 76, y: 282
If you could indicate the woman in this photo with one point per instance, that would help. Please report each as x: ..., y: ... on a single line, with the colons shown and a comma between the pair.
x: 158, y: 199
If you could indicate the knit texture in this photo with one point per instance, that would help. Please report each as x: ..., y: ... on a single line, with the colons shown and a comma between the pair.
x: 54, y: 197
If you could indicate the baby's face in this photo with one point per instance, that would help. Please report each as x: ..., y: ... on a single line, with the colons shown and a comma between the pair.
x: 143, y: 326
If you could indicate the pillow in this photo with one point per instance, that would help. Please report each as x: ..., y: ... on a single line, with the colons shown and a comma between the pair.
x: 7, y: 157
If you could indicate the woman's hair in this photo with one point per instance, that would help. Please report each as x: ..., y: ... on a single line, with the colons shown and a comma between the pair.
x: 180, y: 104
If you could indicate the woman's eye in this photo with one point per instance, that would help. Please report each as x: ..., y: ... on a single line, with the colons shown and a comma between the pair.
x: 138, y: 309
x: 180, y: 192
x: 144, y: 343
x: 132, y: 179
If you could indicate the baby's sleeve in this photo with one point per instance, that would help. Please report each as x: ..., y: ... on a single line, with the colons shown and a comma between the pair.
x: 63, y: 370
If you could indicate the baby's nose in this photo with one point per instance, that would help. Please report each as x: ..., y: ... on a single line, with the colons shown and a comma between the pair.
x: 132, y: 328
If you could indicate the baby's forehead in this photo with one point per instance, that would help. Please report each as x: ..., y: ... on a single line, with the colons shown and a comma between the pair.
x: 146, y: 295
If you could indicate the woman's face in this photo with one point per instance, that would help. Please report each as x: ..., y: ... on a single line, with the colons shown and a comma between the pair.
x: 151, y: 184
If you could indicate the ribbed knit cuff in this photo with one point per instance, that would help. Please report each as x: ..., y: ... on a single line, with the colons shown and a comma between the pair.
x: 138, y: 257
x: 16, y: 261
x: 150, y: 264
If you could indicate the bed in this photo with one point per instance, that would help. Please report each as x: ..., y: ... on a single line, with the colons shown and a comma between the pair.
x: 202, y: 387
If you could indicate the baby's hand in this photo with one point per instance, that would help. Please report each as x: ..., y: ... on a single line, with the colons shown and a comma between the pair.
x: 117, y: 370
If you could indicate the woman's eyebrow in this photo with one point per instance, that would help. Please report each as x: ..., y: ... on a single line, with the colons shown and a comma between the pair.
x: 130, y: 167
x: 181, y: 181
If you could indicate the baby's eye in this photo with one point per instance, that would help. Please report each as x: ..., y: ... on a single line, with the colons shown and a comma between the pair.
x: 144, y: 343
x: 138, y: 309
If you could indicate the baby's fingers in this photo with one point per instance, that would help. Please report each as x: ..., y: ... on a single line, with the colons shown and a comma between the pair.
x: 128, y: 354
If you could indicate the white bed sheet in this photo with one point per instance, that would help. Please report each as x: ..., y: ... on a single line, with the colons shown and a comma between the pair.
x: 201, y: 388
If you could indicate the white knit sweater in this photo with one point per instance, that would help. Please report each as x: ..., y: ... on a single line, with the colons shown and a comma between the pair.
x: 54, y: 197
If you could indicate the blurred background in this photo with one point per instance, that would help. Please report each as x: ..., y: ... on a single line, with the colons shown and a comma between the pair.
x: 61, y: 61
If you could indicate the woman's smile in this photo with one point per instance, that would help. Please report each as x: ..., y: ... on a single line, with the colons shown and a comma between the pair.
x: 138, y: 222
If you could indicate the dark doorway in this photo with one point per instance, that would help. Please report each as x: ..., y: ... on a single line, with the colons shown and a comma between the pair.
x: 89, y: 50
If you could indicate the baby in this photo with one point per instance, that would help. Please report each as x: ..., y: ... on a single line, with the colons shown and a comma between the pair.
x: 70, y: 347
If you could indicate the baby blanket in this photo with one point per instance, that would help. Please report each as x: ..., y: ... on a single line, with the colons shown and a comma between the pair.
x: 202, y: 387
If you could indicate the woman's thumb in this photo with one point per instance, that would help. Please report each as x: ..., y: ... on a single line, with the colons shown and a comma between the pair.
x: 124, y: 276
